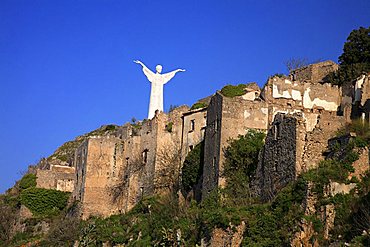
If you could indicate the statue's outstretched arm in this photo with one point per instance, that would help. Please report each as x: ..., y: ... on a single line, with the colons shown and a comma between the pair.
x: 168, y: 76
x: 148, y: 73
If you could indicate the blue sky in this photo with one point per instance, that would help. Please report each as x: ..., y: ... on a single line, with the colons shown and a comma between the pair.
x: 66, y: 67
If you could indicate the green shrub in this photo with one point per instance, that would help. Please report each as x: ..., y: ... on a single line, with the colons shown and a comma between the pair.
x: 362, y: 129
x: 316, y: 222
x: 62, y: 157
x: 192, y: 168
x: 44, y: 202
x: 27, y: 181
x: 198, y: 105
x: 233, y: 91
x: 63, y: 232
x: 110, y: 127
x: 241, y: 159
x: 360, y: 142
x: 169, y: 127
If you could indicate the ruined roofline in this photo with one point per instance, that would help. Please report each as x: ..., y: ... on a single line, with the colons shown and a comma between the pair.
x: 271, y: 79
x: 194, y: 111
x: 326, y: 62
x: 101, y: 136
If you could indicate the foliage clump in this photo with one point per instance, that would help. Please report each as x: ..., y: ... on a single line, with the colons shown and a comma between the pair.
x: 360, y: 128
x: 169, y: 127
x: 355, y: 58
x: 280, y: 75
x: 27, y: 181
x: 192, y: 169
x: 233, y: 91
x: 44, y: 202
x: 198, y: 105
x: 241, y: 159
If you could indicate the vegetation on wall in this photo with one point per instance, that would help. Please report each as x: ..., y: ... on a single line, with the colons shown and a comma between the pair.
x: 169, y: 127
x: 192, y: 168
x: 198, y: 105
x: 44, y: 202
x: 241, y: 159
x: 233, y: 91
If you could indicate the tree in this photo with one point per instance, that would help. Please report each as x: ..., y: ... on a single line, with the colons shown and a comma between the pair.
x: 296, y: 63
x: 192, y: 169
x: 355, y: 59
x: 167, y: 168
x: 241, y: 159
x: 357, y: 48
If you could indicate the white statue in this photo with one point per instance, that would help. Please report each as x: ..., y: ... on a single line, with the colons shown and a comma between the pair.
x: 157, y: 80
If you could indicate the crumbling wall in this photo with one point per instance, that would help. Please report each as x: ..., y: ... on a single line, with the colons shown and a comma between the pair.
x: 168, y: 150
x: 362, y: 98
x: 321, y: 96
x: 314, y: 72
x: 57, y: 177
x: 115, y: 172
x: 193, y: 130
x: 212, y: 147
x: 316, y: 141
x: 132, y: 186
x: 238, y: 116
x: 280, y: 91
x: 277, y: 166
x: 99, y: 169
x: 227, y: 118
x: 80, y: 163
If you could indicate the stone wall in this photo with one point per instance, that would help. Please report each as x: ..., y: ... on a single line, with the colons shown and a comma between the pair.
x: 227, y: 118
x: 316, y: 141
x: 193, y: 130
x: 313, y: 105
x: 99, y: 164
x: 212, y: 147
x: 314, y: 72
x: 57, y: 177
x: 277, y: 166
x: 361, y: 101
x: 115, y: 172
x: 168, y: 150
x: 302, y: 95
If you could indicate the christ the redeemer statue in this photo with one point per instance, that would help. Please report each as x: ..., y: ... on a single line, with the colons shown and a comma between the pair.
x: 157, y: 80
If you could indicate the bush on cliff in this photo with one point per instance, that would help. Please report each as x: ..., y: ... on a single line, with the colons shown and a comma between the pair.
x: 44, y: 202
x: 27, y: 181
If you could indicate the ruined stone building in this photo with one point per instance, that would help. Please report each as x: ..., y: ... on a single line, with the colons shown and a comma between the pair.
x: 299, y: 113
x: 56, y: 177
x: 298, y: 109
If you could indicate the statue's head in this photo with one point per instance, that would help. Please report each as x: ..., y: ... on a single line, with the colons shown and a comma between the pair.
x: 158, y: 68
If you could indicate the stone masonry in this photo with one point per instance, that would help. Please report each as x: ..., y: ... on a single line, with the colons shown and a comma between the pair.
x: 279, y: 156
x: 115, y: 172
x: 111, y: 173
x: 57, y: 177
x: 313, y: 108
